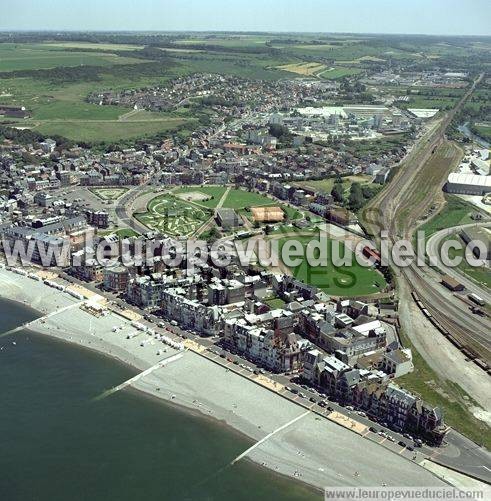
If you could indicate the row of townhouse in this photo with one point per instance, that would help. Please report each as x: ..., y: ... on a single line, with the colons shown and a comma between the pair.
x: 49, y: 244
x: 373, y: 392
x: 339, y: 333
x: 189, y: 313
x: 276, y: 349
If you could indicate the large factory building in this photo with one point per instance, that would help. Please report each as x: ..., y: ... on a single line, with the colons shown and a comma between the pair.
x: 468, y: 184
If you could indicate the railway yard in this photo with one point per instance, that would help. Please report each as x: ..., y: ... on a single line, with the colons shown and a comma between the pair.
x: 401, y: 209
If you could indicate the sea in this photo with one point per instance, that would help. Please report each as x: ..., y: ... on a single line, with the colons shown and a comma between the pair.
x: 57, y: 442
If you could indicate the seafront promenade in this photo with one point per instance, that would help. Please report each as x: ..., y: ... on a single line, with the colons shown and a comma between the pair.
x: 301, y: 444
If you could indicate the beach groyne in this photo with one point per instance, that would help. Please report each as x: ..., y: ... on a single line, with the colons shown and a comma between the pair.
x: 312, y: 449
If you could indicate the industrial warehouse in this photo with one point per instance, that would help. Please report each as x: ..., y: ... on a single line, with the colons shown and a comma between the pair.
x: 468, y: 184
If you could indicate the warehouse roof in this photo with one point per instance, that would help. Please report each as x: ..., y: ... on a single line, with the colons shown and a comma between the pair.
x: 469, y: 179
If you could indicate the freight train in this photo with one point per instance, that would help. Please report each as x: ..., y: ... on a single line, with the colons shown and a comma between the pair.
x: 466, y: 350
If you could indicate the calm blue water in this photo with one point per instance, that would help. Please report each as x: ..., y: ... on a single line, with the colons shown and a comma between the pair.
x: 56, y: 443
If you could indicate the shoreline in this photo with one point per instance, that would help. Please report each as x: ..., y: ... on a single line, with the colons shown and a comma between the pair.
x: 223, y: 424
x: 313, y: 451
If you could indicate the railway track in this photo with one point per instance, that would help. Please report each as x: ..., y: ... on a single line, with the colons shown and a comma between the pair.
x: 470, y: 334
x: 469, y: 330
x: 455, y: 335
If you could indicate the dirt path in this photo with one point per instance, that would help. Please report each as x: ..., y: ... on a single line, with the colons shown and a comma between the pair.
x: 446, y: 360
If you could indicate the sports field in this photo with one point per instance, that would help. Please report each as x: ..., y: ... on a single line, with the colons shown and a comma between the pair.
x: 108, y: 194
x: 210, y: 196
x: 240, y: 199
x: 355, y: 280
x: 205, y: 196
x: 170, y: 215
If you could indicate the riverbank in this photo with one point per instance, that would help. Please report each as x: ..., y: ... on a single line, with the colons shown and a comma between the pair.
x: 310, y: 449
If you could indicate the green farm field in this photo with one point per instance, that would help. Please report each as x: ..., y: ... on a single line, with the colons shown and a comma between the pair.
x: 52, y: 78
x: 63, y: 110
x: 60, y: 108
x: 41, y: 56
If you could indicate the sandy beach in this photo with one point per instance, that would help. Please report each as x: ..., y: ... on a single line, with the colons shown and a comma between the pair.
x: 310, y: 449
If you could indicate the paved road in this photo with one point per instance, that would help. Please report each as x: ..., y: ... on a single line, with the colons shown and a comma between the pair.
x: 124, y: 215
x: 460, y: 453
x: 464, y: 455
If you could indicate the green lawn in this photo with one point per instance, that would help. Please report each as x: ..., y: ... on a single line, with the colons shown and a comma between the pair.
x: 480, y: 274
x: 169, y: 215
x: 240, y: 199
x: 121, y: 233
x: 455, y: 212
x: 214, y: 192
x: 126, y: 233
x: 327, y: 184
x: 288, y: 228
x: 275, y: 303
x: 236, y: 199
x: 446, y: 395
x: 108, y: 194
x: 291, y: 212
x: 354, y: 280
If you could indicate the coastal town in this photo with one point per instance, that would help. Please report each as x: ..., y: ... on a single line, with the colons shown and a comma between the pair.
x: 95, y: 233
